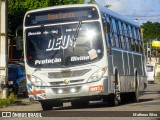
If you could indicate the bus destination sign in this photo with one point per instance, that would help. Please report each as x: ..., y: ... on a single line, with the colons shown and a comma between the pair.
x: 53, y: 16
x: 61, y: 15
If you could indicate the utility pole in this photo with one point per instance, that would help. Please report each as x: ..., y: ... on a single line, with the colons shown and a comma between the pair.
x: 150, y: 51
x: 3, y: 49
x: 147, y: 53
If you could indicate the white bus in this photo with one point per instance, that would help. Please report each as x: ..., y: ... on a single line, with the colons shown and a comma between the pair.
x: 81, y: 53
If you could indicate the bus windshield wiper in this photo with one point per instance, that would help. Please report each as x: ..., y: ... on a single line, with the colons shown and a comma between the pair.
x: 76, y: 34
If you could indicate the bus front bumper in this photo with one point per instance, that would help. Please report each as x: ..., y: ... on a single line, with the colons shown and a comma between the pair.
x: 99, y: 88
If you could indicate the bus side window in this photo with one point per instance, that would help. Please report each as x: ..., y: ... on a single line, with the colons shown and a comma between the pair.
x: 106, y: 26
x: 113, y: 44
x: 130, y: 37
x: 139, y: 39
x: 135, y: 39
x: 109, y: 35
x: 119, y: 32
x: 126, y: 36
x: 114, y: 30
x: 104, y: 23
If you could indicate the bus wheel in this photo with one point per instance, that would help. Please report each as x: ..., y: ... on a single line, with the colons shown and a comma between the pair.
x: 79, y: 104
x: 114, y: 99
x: 46, y: 105
x: 134, y: 96
x: 124, y: 98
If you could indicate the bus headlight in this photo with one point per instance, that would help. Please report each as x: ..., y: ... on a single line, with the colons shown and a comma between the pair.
x: 35, y: 81
x: 97, y: 75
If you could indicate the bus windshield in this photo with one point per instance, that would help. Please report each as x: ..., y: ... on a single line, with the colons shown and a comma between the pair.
x: 150, y: 68
x: 53, y: 46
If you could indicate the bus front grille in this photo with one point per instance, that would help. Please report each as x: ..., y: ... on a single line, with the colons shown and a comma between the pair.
x: 67, y: 74
x: 61, y: 83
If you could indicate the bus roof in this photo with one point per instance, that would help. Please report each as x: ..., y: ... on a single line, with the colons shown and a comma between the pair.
x: 101, y: 8
x: 117, y: 15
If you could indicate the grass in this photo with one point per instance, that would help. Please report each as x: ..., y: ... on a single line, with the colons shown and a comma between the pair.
x: 12, y: 99
x: 158, y: 76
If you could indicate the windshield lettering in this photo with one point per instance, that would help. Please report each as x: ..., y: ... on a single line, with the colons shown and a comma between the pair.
x: 47, y: 61
x: 34, y: 33
x: 59, y: 43
x: 75, y: 58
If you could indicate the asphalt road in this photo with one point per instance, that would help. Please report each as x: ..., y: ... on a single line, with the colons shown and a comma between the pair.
x: 148, y: 107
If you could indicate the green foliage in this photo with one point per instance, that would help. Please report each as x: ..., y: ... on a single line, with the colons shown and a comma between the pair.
x: 158, y: 76
x: 92, y: 2
x: 12, y: 99
x: 151, y: 31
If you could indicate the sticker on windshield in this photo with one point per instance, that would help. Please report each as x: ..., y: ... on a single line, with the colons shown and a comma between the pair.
x: 98, y: 51
x: 92, y: 54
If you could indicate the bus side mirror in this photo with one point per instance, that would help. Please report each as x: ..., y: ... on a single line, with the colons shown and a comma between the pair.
x: 18, y: 38
x: 18, y: 43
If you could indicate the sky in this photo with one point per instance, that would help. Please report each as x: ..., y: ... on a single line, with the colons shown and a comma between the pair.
x: 143, y: 10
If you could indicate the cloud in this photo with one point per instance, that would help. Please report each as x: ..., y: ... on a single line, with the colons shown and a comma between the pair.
x: 139, y: 9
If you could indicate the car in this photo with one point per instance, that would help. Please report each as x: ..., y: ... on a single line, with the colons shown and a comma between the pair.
x: 150, y: 73
x: 17, y: 77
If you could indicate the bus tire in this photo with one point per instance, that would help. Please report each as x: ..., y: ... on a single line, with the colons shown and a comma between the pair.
x: 114, y: 98
x: 124, y: 98
x: 46, y: 105
x: 79, y: 103
x: 134, y: 96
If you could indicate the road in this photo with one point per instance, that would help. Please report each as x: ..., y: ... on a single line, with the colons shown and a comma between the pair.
x: 148, y: 104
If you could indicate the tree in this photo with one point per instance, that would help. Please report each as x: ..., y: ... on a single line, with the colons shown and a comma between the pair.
x: 151, y: 31
x: 94, y: 2
x: 18, y: 8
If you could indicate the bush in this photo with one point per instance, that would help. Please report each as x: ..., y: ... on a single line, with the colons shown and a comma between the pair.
x: 158, y: 76
x: 12, y: 99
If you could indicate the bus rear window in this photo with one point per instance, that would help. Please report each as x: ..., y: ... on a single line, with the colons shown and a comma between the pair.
x: 61, y: 15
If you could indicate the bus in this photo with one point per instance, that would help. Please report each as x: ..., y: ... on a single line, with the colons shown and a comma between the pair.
x: 81, y: 53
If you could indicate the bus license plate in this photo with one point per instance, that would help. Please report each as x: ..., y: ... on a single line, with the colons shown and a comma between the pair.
x: 95, y: 88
